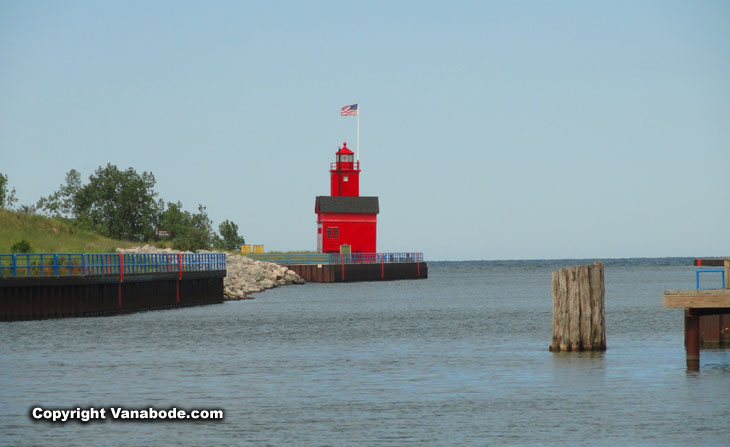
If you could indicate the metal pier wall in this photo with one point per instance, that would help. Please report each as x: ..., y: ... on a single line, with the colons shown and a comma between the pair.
x: 361, y: 272
x: 37, y: 298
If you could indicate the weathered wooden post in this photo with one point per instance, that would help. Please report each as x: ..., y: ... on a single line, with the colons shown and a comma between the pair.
x: 579, y: 319
x: 725, y: 318
x: 692, y: 339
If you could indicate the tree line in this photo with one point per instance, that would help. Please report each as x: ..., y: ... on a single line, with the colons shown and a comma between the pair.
x: 123, y: 204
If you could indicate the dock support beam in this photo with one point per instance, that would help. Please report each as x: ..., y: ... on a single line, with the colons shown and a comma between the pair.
x: 692, y: 340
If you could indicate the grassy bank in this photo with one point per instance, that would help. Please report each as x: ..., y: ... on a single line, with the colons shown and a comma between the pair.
x: 48, y: 235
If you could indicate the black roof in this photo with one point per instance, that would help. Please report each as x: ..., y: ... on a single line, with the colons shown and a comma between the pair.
x: 346, y: 204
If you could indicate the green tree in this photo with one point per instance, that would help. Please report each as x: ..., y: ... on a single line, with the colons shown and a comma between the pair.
x: 200, y: 235
x: 7, y: 198
x: 229, y: 240
x: 122, y: 205
x: 174, y: 220
x: 189, y: 231
x: 118, y: 204
x: 61, y: 202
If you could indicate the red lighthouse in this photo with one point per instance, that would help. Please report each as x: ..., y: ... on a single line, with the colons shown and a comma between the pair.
x: 344, y: 218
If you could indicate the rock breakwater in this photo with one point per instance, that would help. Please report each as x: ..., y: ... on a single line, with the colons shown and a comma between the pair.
x: 243, y: 275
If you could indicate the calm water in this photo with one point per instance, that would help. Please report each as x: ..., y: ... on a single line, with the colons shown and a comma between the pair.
x: 458, y: 359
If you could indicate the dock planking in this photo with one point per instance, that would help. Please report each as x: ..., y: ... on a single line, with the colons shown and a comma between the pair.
x: 697, y: 299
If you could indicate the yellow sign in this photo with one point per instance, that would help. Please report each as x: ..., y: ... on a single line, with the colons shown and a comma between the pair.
x: 245, y: 249
x: 258, y: 249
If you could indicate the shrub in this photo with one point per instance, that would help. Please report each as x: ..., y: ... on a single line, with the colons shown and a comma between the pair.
x: 22, y: 246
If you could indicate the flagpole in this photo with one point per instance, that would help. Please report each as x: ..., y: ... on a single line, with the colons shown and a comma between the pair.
x: 358, y: 134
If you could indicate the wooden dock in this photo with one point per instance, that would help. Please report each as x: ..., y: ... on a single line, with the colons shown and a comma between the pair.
x: 706, y: 317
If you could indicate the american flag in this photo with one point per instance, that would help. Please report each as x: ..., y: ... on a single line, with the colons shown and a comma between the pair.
x: 349, y: 110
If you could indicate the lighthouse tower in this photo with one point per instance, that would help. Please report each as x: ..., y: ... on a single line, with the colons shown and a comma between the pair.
x: 345, y: 174
x: 346, y: 222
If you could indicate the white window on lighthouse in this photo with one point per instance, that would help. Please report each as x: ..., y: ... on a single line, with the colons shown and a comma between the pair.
x: 344, y: 178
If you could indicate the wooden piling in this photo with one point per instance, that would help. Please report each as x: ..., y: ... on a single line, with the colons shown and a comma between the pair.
x: 579, y: 321
x: 692, y: 339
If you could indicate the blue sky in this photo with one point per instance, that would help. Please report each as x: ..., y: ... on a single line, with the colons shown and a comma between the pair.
x: 489, y: 130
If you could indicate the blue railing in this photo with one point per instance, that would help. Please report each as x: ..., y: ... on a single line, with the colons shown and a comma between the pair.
x: 337, y: 258
x: 102, y: 264
x: 291, y: 258
x: 721, y: 271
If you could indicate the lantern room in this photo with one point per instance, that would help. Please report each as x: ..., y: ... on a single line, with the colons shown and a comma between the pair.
x: 346, y: 222
x: 345, y: 173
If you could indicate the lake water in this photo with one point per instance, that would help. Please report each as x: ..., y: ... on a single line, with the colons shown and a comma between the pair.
x: 458, y: 359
